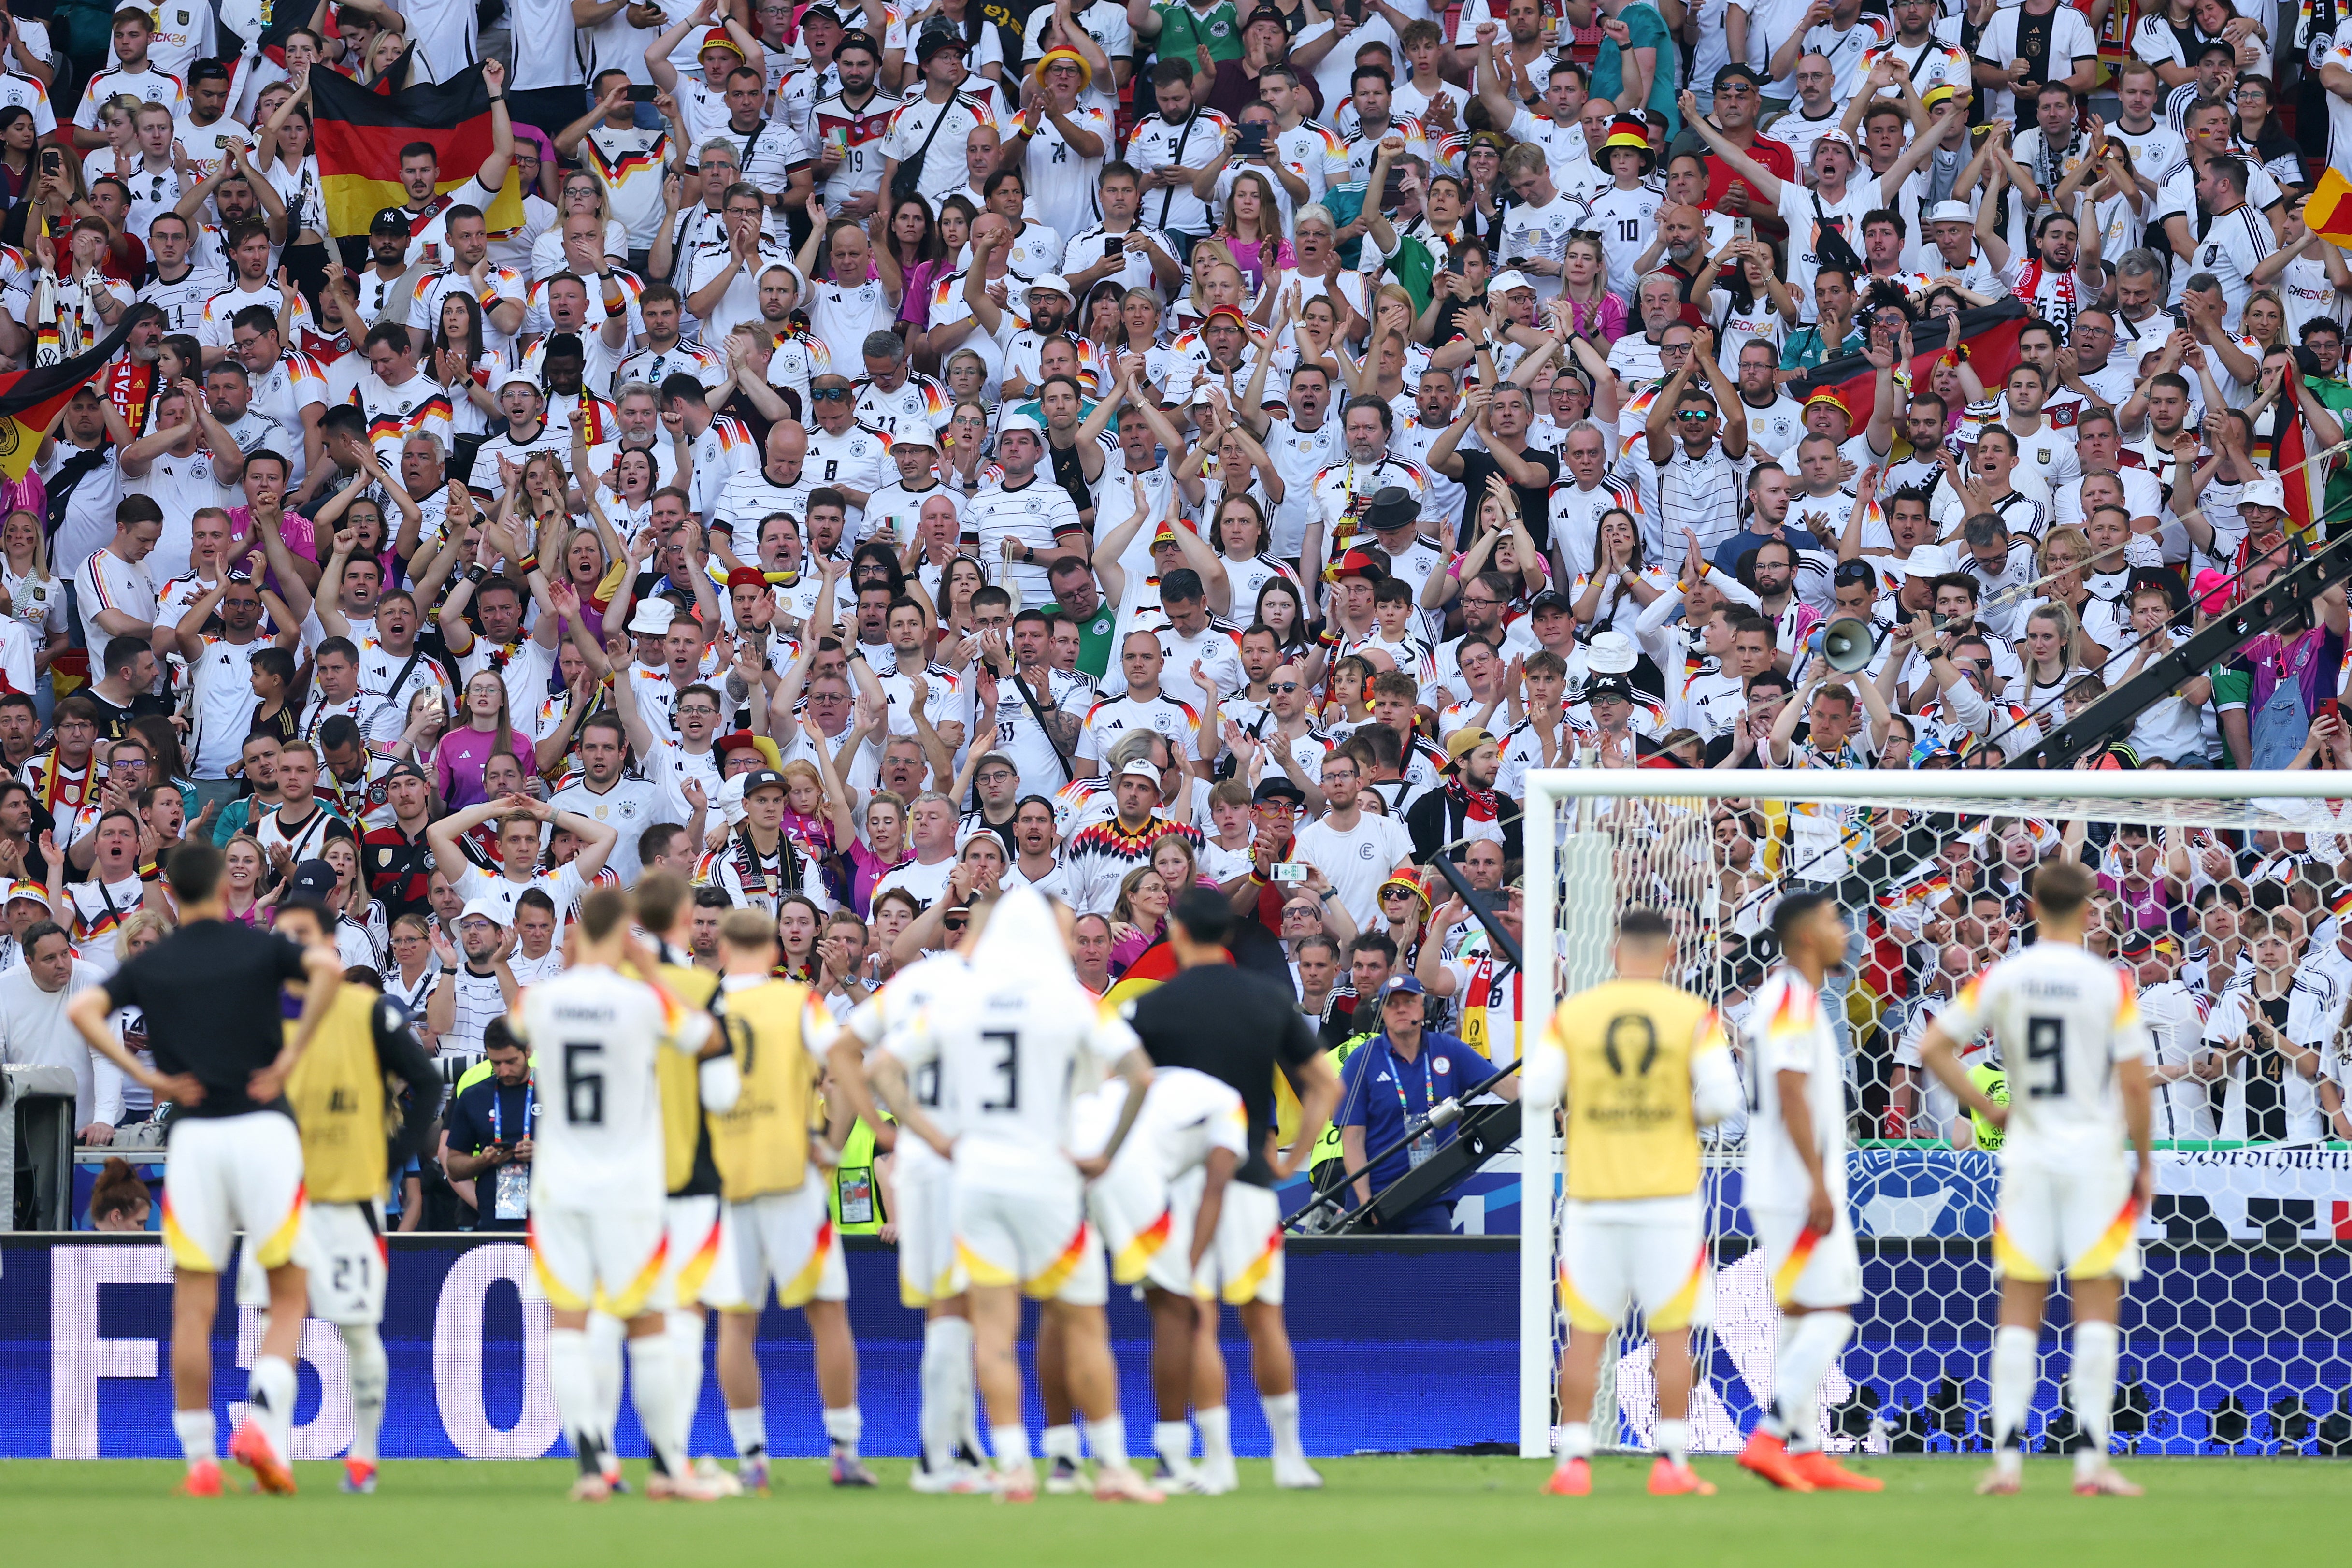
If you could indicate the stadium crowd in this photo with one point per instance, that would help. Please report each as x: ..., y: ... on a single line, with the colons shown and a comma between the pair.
x: 888, y: 455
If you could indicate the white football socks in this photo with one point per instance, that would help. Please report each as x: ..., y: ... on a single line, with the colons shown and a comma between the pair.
x: 1062, y: 1443
x: 572, y: 1378
x: 1797, y: 1386
x: 1573, y: 1440
x: 1108, y: 1438
x: 1774, y: 1422
x: 1673, y: 1441
x: 370, y: 1376
x: 606, y: 1334
x: 269, y: 1401
x: 198, y: 1437
x: 1282, y: 1423
x: 944, y: 1375
x: 749, y: 1428
x: 1012, y: 1446
x: 844, y: 1427
x: 653, y: 1388
x: 685, y: 1332
x: 2091, y: 1388
x: 2013, y: 1351
x: 1172, y: 1441
x: 1216, y: 1425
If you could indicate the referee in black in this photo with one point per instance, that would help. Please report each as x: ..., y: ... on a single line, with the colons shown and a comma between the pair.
x: 1241, y: 1028
x: 234, y: 1163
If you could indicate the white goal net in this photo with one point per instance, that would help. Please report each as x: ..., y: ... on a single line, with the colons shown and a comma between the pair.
x: 2230, y: 896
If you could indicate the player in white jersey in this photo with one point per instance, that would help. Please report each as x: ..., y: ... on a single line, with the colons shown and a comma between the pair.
x: 2068, y: 1029
x: 920, y: 1203
x: 597, y: 1181
x: 1157, y: 1208
x: 1796, y: 1191
x: 1009, y: 1041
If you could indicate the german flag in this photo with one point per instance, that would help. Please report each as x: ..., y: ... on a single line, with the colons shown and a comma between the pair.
x: 360, y: 131
x: 1154, y: 966
x: 2329, y: 213
x: 30, y: 399
x: 1988, y: 334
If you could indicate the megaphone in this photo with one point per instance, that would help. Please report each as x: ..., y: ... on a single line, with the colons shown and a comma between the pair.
x: 1849, y: 644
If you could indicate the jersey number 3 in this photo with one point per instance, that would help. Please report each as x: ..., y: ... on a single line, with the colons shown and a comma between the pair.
x: 1008, y: 1068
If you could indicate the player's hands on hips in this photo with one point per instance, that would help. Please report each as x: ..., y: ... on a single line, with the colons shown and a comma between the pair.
x: 1090, y: 1166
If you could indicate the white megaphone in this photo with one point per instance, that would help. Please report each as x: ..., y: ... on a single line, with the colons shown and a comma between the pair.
x: 1847, y: 645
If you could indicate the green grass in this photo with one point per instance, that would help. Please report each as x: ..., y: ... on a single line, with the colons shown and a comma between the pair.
x: 1433, y: 1511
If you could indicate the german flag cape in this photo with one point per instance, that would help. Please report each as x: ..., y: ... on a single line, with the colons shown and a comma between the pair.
x: 30, y: 399
x: 360, y: 131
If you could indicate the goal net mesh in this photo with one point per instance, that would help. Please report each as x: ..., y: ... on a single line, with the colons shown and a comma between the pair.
x: 2235, y: 914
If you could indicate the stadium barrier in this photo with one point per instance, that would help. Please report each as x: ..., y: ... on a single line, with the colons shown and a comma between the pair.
x: 1405, y: 1344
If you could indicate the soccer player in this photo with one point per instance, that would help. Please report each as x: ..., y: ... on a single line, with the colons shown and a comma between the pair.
x: 1007, y: 1042
x: 771, y: 1160
x: 1796, y: 1189
x: 920, y: 1202
x: 236, y: 1159
x: 596, y: 1185
x: 1243, y: 1030
x: 665, y: 909
x: 1642, y: 1064
x: 338, y: 1094
x: 2068, y: 1029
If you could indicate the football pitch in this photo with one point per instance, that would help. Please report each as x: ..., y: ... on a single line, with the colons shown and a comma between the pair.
x: 1432, y: 1509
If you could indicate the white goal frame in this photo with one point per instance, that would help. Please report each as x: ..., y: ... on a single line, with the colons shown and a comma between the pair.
x: 1592, y: 918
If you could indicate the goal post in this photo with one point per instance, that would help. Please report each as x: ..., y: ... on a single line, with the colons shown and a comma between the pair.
x: 2254, y: 1241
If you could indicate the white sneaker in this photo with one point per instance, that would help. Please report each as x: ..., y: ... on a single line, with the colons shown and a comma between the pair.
x: 1064, y: 1477
x: 956, y: 1480
x: 706, y: 1470
x: 1217, y: 1477
x: 1173, y: 1476
x: 1293, y: 1473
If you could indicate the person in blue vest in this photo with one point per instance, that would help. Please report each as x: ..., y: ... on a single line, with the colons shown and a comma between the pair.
x: 1395, y: 1077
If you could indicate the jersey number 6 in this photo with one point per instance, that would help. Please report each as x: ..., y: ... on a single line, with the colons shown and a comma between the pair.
x: 583, y: 1089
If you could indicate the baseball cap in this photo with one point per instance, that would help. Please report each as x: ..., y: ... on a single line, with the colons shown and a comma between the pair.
x: 1610, y: 653
x: 916, y: 434
x: 1510, y: 277
x: 653, y: 618
x: 822, y: 14
x: 1402, y: 985
x: 518, y: 378
x: 1949, y: 212
x: 2135, y: 943
x: 1464, y: 742
x: 934, y: 40
x: 486, y: 909
x: 313, y: 882
x: 1164, y: 534
x: 747, y: 577
x: 1053, y: 282
x: 389, y: 220
x: 1925, y: 561
x: 1834, y: 397
x: 1608, y: 685
x: 740, y: 741
x: 404, y: 769
x: 1832, y: 137
x: 1273, y: 786
x: 1550, y: 599
x: 766, y: 778
x: 1139, y: 769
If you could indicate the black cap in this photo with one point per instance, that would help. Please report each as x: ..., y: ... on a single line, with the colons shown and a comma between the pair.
x: 761, y: 779
x: 829, y: 13
x: 313, y: 882
x: 1601, y: 686
x: 1277, y: 787
x: 1737, y: 72
x: 935, y: 39
x: 1266, y: 14
x: 1550, y: 599
x: 1393, y: 507
x: 2135, y: 943
x: 390, y: 220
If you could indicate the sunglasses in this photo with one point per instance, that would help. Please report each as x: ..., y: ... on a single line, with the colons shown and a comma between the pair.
x: 1694, y: 416
x: 1282, y: 686
x: 830, y: 394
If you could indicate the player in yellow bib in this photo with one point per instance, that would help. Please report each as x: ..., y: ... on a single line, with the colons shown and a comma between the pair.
x: 774, y: 1171
x: 2067, y: 1027
x: 1642, y: 1064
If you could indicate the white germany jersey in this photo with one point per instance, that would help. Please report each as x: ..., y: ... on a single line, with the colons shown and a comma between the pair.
x: 894, y: 1009
x: 594, y: 1034
x: 1015, y: 1042
x: 1185, y: 1114
x: 2061, y: 1020
x: 1792, y: 1033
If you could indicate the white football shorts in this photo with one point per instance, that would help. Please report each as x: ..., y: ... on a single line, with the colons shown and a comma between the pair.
x: 695, y: 1228
x: 1618, y: 1252
x: 786, y: 1238
x: 1038, y: 1240
x: 1243, y: 1262
x: 922, y: 1205
x: 1147, y: 1225
x: 344, y: 1261
x: 609, y: 1259
x: 223, y: 1174
x: 1807, y: 1269
x: 2076, y: 1218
